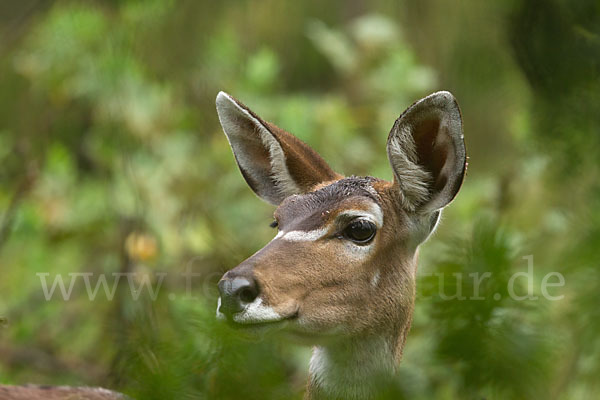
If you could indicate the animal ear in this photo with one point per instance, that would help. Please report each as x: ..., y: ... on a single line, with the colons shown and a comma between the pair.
x: 427, y: 152
x: 274, y: 162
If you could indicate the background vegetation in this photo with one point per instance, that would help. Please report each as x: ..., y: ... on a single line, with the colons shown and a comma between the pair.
x: 112, y: 160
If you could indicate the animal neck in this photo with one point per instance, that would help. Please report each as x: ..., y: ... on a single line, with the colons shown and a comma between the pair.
x: 351, y: 368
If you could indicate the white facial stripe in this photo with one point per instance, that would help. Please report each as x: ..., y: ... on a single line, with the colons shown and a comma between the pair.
x: 305, y: 236
x: 256, y: 312
x: 374, y: 214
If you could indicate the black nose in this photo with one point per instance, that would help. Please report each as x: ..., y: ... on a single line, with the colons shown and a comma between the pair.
x: 236, y: 292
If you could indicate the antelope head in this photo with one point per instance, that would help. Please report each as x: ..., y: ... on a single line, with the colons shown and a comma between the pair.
x: 340, y: 273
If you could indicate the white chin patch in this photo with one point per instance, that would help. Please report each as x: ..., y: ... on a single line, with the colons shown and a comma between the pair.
x: 255, y: 313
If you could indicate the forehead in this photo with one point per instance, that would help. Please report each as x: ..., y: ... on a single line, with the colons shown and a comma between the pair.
x: 310, y: 210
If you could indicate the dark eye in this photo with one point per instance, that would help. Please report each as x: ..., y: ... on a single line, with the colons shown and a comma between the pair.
x: 360, y: 231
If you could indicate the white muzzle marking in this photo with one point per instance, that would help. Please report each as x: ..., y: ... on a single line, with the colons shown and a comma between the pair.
x: 254, y: 313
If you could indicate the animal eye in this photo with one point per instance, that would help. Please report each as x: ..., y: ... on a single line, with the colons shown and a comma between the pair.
x: 360, y: 231
x: 274, y: 224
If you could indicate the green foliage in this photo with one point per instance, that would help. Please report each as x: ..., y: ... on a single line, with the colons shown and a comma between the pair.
x: 482, y: 331
x: 112, y: 161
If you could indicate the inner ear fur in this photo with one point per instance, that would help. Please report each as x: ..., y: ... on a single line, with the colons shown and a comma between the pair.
x: 427, y: 153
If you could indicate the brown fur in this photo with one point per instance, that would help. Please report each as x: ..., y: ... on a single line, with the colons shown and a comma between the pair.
x: 349, y: 299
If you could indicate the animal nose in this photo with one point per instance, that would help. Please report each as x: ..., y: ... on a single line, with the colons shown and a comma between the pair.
x: 236, y: 292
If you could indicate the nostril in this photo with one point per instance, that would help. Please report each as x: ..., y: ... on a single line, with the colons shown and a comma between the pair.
x: 236, y: 293
x: 248, y: 294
